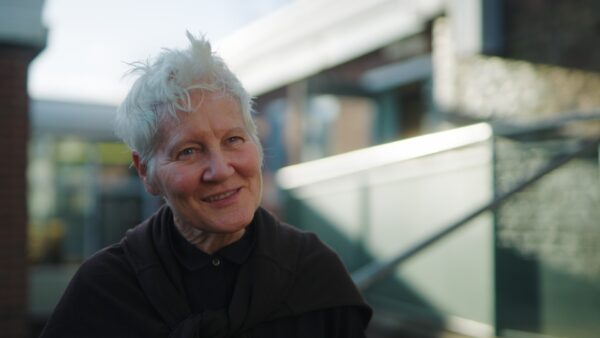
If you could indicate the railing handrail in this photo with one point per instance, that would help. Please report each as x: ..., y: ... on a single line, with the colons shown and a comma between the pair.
x: 369, y: 274
x: 506, y: 129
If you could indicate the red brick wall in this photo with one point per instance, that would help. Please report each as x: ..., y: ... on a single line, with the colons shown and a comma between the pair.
x: 14, y: 128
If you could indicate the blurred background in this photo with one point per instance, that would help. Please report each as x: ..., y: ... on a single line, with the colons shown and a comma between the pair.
x: 446, y: 149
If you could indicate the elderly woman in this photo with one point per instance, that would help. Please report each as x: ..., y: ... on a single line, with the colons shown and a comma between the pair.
x: 211, y: 262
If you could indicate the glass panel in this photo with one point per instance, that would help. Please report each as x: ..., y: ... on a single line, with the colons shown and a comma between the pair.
x: 548, y: 274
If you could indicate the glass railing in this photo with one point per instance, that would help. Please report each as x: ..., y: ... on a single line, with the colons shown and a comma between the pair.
x: 456, y: 237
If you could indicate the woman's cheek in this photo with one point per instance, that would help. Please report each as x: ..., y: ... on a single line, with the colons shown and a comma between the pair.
x: 182, y: 181
x: 249, y: 160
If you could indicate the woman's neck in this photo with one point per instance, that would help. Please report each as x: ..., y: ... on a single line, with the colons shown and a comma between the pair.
x: 207, y: 242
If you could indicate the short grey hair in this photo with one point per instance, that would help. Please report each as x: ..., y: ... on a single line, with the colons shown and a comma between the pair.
x: 163, y: 89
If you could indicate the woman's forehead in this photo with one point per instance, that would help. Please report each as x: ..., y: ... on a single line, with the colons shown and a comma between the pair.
x: 202, y: 96
x: 218, y: 116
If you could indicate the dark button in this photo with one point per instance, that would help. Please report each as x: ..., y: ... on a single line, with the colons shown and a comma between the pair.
x: 216, y: 261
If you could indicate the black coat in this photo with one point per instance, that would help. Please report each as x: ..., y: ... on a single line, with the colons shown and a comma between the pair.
x: 291, y: 286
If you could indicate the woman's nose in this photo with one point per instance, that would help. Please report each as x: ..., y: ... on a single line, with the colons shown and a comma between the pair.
x: 218, y: 168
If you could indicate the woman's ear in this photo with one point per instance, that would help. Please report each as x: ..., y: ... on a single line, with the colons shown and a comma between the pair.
x: 142, y: 170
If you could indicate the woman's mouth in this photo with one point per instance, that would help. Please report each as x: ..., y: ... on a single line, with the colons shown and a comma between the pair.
x: 220, y: 196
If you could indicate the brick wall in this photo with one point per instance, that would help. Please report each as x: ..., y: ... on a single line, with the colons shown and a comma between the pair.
x: 14, y: 128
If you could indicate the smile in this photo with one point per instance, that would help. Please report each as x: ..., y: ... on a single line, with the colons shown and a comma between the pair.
x: 221, y: 196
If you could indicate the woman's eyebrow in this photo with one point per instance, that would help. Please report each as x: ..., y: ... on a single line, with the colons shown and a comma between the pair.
x: 237, y: 130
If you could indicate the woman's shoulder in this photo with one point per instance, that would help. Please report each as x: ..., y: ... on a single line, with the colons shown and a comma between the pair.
x: 288, y: 239
x: 107, y: 263
x: 117, y: 258
x: 104, y: 299
x: 106, y: 279
x: 277, y: 229
x: 320, y: 279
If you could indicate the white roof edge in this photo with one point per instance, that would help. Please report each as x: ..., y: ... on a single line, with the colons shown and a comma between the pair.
x: 306, y: 173
x: 90, y: 121
x: 310, y: 35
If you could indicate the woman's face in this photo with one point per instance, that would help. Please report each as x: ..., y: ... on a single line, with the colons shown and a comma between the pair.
x: 207, y: 167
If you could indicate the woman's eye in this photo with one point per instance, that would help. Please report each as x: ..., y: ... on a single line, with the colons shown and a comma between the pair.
x: 187, y: 152
x: 235, y: 139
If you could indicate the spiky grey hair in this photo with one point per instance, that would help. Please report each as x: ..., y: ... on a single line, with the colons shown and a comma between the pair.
x: 163, y: 89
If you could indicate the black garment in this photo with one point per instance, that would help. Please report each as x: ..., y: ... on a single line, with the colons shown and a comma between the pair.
x: 290, y: 286
x: 208, y: 280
